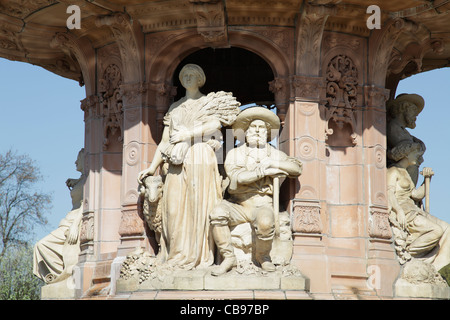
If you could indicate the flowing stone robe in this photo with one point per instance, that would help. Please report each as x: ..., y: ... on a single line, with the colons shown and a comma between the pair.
x: 52, y: 254
x: 192, y: 186
x: 428, y: 237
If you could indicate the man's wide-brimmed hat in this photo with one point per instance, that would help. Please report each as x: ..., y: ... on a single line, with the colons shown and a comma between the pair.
x: 246, y: 116
x: 412, y: 98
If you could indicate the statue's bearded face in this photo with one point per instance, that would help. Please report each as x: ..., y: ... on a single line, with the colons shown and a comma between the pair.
x: 256, y: 134
x: 411, y: 116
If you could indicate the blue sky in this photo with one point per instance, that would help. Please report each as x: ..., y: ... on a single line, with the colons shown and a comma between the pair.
x: 41, y: 117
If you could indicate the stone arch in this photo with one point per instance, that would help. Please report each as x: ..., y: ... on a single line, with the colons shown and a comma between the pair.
x: 162, y: 65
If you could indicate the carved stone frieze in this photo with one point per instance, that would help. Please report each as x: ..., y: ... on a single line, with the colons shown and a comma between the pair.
x: 87, y: 228
x: 211, y: 21
x: 281, y: 89
x: 91, y: 107
x: 379, y: 226
x: 414, y: 52
x: 375, y: 97
x: 133, y: 94
x: 23, y: 8
x: 308, y: 88
x: 306, y: 217
x: 309, y: 37
x: 380, y: 47
x: 74, y: 56
x: 127, y: 38
x: 111, y: 103
x: 341, y: 93
x: 132, y: 224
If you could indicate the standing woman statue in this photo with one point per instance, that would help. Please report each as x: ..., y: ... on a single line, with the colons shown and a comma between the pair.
x: 192, y: 185
x: 57, y: 253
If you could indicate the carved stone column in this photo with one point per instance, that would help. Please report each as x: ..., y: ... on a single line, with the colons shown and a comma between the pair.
x: 306, y: 141
x: 132, y: 226
x: 381, y: 255
x: 309, y: 219
x: 92, y: 119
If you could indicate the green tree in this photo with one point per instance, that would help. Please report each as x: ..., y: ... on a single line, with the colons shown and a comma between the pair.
x: 17, y: 281
x: 22, y: 205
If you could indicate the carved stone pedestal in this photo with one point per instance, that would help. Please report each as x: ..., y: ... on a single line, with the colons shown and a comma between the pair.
x: 65, y: 289
x: 201, y: 282
x: 405, y: 290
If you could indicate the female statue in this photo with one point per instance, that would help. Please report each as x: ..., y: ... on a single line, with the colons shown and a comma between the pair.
x: 57, y: 253
x: 192, y: 184
x: 419, y: 233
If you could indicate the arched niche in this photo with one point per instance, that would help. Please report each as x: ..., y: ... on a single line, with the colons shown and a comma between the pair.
x: 163, y: 61
x: 235, y: 70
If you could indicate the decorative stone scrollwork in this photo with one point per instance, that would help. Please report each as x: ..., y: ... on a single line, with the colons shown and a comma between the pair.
x: 111, y: 103
x: 87, y: 228
x: 341, y: 93
x: 132, y: 224
x: 211, y: 22
x: 379, y: 226
x: 306, y: 218
x: 281, y: 89
x: 307, y: 88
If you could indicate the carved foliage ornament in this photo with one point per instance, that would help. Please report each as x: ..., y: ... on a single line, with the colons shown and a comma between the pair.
x: 111, y: 103
x: 211, y: 22
x: 341, y: 93
x: 306, y: 219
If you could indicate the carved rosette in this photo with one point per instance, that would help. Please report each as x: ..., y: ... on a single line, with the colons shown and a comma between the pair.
x: 341, y: 93
x: 111, y: 103
x: 379, y: 226
x: 306, y: 218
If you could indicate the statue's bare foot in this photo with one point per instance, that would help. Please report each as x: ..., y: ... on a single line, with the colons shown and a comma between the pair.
x: 225, y: 266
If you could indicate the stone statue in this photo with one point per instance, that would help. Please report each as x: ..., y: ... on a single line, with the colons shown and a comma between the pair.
x: 152, y: 188
x: 417, y: 233
x: 402, y: 114
x: 56, y: 254
x: 192, y: 183
x: 251, y: 168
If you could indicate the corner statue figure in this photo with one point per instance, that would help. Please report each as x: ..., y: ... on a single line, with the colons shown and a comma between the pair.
x: 56, y: 254
x: 251, y: 169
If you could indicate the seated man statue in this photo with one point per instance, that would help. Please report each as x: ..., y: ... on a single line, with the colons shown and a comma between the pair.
x: 251, y: 168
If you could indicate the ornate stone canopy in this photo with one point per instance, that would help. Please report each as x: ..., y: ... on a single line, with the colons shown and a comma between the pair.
x: 328, y: 72
x: 28, y: 28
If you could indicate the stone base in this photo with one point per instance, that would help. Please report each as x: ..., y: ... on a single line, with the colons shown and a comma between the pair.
x: 201, y: 283
x: 60, y: 290
x: 407, y: 290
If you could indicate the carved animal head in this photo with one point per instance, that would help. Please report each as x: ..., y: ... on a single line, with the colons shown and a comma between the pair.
x: 153, y: 188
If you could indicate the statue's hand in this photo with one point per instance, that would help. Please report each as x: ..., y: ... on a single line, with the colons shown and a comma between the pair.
x: 143, y: 174
x: 401, y: 218
x: 72, y: 237
x: 427, y: 172
x: 274, y: 172
x: 70, y: 183
x: 179, y: 136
